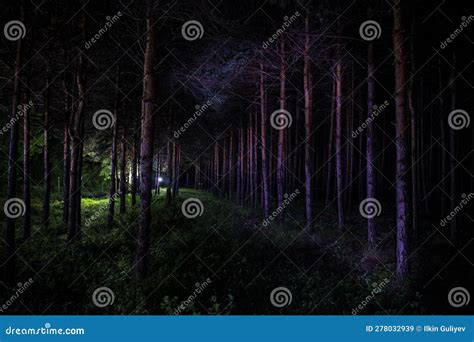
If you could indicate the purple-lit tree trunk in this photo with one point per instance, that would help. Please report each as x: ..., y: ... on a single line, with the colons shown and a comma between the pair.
x: 308, y: 104
x: 263, y: 151
x: 339, y: 178
x: 146, y: 147
x: 401, y: 142
x: 371, y: 229
x: 281, y: 135
x: 330, y: 163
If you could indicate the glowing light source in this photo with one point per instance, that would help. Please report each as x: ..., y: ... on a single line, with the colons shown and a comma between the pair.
x: 160, y: 179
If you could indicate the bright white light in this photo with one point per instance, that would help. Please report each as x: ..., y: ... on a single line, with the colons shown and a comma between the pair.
x: 160, y: 179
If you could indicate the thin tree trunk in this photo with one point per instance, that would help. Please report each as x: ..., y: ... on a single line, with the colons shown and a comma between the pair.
x: 263, y: 150
x: 46, y: 156
x: 452, y: 153
x: 401, y: 142
x: 281, y: 136
x: 146, y: 147
x: 134, y: 168
x: 371, y: 228
x: 123, y: 174
x: 113, y: 161
x: 308, y: 104
x: 330, y: 145
x: 339, y: 176
x: 27, y: 161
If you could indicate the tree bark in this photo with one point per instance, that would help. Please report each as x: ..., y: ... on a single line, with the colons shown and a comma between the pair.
x: 263, y: 150
x: 113, y: 161
x: 146, y: 148
x: 371, y: 228
x: 308, y: 104
x: 339, y: 175
x: 10, y: 248
x: 123, y: 173
x: 281, y: 137
x: 401, y: 142
x: 46, y: 156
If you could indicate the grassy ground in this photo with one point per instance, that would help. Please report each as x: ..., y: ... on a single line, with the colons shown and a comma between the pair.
x: 227, y: 248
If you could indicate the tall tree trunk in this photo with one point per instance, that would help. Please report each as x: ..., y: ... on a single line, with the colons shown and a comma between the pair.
x: 76, y: 139
x: 146, y: 148
x: 27, y: 160
x: 281, y: 136
x: 134, y: 168
x: 371, y: 229
x: 113, y: 161
x: 263, y: 150
x: 123, y: 173
x: 66, y: 145
x: 401, y: 142
x: 329, y: 188
x: 443, y: 143
x: 413, y: 129
x: 339, y: 175
x: 452, y: 153
x: 308, y: 104
x: 46, y: 156
x: 169, y: 156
